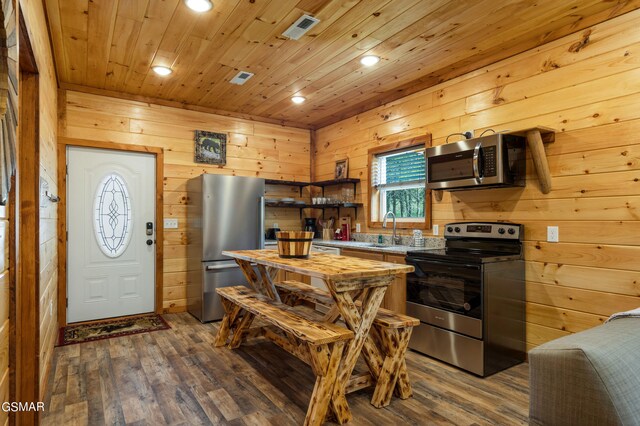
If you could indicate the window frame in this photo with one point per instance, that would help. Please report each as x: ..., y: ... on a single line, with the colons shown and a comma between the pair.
x: 374, y: 194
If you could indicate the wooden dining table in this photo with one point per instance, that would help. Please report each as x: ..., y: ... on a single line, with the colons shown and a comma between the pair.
x: 357, y: 287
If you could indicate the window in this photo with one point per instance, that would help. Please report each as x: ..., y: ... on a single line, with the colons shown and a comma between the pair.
x: 112, y: 215
x: 398, y: 177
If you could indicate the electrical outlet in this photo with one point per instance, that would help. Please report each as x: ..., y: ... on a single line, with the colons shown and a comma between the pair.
x: 553, y: 234
x: 468, y: 133
x: 275, y: 225
x: 171, y: 224
x: 357, y: 227
x: 436, y: 229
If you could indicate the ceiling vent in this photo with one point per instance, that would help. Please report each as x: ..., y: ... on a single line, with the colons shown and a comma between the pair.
x: 241, y: 78
x: 300, y: 27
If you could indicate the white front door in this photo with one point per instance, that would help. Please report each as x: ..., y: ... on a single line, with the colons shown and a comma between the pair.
x: 111, y: 205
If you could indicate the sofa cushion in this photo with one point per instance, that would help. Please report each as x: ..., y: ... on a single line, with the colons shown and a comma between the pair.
x: 588, y: 378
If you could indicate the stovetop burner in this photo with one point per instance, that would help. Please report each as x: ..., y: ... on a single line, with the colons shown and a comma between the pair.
x: 477, y: 242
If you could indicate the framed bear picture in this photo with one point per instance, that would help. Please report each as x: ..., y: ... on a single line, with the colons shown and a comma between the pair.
x: 210, y: 147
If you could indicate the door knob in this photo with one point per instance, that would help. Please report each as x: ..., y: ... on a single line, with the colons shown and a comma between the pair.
x: 149, y: 242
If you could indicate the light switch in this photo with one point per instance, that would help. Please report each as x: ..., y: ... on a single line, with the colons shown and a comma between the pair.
x: 44, y: 188
x: 171, y: 224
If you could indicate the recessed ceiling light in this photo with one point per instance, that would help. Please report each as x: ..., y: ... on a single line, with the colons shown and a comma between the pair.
x: 369, y: 60
x: 163, y: 71
x: 298, y: 99
x: 199, y: 6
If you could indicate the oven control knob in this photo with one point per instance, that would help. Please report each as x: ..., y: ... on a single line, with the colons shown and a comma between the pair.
x: 512, y: 231
x: 450, y: 229
x: 457, y: 229
x: 501, y: 231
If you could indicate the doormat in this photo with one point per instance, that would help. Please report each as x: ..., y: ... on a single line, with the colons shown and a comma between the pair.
x: 117, y: 327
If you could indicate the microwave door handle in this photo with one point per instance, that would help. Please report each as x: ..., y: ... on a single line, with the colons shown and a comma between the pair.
x: 476, y: 163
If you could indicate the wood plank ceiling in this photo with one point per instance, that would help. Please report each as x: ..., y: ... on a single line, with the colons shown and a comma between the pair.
x: 109, y: 46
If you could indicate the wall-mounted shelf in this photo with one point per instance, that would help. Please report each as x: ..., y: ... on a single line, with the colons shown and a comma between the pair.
x: 286, y: 182
x: 332, y: 182
x: 282, y: 205
x: 300, y: 185
x: 285, y: 205
x: 320, y: 184
x: 536, y: 138
x: 337, y: 206
x: 314, y: 206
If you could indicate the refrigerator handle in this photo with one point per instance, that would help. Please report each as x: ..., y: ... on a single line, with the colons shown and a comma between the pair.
x: 222, y: 265
x: 261, y: 222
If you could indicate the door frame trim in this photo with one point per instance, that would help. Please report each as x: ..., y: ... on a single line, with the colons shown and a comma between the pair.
x: 63, y: 143
x: 24, y: 238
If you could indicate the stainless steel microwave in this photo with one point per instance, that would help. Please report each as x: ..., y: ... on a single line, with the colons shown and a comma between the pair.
x: 493, y: 161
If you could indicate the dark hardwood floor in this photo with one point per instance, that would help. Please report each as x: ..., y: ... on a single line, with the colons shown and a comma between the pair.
x: 177, y: 377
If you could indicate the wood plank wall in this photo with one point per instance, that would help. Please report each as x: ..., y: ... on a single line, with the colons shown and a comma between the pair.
x: 37, y: 27
x: 5, y: 274
x: 585, y: 85
x: 253, y: 149
x: 4, y: 310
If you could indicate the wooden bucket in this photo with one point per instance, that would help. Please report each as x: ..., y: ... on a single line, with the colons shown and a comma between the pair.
x: 294, y: 244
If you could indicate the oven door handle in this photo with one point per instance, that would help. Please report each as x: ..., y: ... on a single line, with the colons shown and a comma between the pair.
x: 476, y: 162
x: 417, y: 262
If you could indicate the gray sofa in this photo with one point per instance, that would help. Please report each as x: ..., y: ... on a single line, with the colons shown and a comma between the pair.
x: 588, y: 378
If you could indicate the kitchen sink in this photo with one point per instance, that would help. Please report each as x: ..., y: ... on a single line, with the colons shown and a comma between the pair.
x: 376, y: 245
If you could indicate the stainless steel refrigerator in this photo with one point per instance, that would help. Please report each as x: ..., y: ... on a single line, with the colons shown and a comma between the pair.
x: 223, y: 213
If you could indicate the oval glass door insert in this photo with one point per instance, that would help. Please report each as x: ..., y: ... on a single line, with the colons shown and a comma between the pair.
x: 112, y: 215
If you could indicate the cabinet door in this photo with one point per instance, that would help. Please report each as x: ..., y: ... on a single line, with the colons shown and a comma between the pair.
x: 395, y: 299
x: 362, y: 254
x: 381, y: 257
x: 292, y: 276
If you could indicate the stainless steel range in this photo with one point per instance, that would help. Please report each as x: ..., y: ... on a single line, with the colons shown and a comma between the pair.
x: 469, y: 297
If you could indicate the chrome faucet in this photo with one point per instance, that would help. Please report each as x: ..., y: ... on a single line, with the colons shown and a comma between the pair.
x: 395, y: 239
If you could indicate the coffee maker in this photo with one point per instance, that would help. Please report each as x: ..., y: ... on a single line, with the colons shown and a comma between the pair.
x: 310, y: 225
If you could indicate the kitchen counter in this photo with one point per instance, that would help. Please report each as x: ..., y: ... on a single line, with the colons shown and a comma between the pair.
x: 360, y: 245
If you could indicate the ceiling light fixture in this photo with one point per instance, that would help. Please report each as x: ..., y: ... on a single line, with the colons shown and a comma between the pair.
x: 163, y: 71
x: 199, y: 6
x: 298, y: 99
x: 369, y: 60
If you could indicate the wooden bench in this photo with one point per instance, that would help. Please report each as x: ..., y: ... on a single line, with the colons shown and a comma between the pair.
x: 301, y: 291
x: 384, y: 350
x: 319, y: 344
